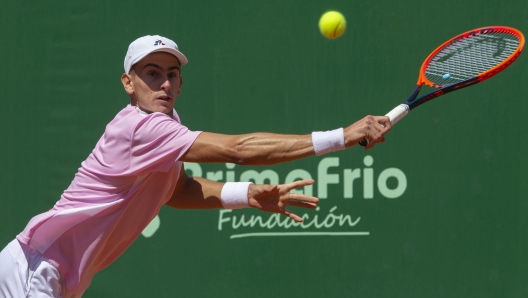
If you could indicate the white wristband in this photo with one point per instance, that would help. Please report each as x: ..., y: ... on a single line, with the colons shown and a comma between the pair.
x: 328, y: 141
x: 234, y: 195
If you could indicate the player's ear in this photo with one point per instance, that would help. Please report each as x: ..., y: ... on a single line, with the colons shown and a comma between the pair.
x: 181, y: 83
x: 126, y: 79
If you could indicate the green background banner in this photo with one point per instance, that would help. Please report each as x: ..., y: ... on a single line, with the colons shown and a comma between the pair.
x: 439, y: 210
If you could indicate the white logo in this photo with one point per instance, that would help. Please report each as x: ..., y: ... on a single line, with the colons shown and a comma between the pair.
x: 330, y: 174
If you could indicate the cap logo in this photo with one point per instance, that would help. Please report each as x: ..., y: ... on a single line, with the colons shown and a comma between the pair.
x: 159, y: 42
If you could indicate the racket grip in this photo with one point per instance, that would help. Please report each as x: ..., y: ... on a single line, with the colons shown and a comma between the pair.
x: 394, y: 115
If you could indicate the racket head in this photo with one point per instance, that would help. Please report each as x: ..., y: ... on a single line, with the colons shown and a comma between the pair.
x: 479, y: 53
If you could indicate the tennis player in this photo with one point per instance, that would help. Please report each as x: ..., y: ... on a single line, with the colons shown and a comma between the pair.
x: 136, y: 167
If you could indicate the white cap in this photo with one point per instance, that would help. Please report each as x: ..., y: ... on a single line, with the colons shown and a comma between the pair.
x: 145, y: 45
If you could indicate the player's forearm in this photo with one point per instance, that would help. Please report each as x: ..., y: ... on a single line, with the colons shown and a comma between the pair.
x: 197, y: 193
x: 249, y: 149
x: 268, y: 148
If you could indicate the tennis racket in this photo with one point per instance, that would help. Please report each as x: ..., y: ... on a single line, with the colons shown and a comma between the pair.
x: 462, y: 61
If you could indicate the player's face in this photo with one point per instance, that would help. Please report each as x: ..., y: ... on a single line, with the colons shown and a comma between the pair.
x: 156, y: 82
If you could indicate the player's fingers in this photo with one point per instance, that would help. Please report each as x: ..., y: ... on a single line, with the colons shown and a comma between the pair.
x: 384, y: 121
x: 374, y: 127
x: 376, y: 134
x: 387, y: 123
x: 384, y: 124
x: 293, y: 216
x: 298, y: 183
x: 303, y: 204
x: 372, y: 143
x: 302, y: 198
x: 381, y: 127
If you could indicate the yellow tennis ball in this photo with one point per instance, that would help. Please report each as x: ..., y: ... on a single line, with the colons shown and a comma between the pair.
x: 332, y: 24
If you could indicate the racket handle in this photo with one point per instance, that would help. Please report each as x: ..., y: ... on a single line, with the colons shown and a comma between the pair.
x: 394, y: 116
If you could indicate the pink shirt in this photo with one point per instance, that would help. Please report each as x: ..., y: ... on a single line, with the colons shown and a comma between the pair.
x: 118, y: 190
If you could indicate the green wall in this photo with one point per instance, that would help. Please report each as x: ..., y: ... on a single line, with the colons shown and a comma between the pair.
x: 447, y: 218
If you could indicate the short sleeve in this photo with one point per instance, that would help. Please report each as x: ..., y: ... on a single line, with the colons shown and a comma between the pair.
x: 157, y: 142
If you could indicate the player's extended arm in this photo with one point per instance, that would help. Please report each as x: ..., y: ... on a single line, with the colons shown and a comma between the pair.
x: 200, y: 193
x: 269, y: 148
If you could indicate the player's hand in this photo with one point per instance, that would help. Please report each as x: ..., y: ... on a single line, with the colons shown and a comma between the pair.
x: 275, y: 198
x: 372, y: 128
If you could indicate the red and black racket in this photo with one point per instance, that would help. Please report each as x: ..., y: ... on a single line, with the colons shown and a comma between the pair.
x: 462, y: 61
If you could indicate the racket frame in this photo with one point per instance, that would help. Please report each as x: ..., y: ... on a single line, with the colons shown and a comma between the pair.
x: 403, y: 109
x: 422, y: 79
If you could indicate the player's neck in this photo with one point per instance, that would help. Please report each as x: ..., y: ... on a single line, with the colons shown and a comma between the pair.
x: 150, y: 112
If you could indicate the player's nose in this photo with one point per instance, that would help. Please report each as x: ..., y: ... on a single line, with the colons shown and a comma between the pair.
x: 166, y: 85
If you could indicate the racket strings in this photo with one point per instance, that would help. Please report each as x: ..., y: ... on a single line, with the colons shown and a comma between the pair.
x: 471, y: 56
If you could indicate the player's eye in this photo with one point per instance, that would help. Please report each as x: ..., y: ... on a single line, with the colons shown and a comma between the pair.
x: 152, y: 73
